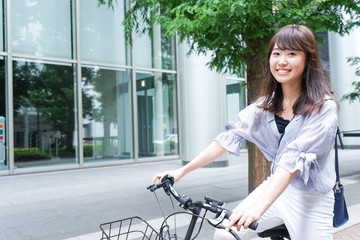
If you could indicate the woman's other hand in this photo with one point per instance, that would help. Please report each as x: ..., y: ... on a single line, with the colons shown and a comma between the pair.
x: 243, y: 217
x: 176, y: 174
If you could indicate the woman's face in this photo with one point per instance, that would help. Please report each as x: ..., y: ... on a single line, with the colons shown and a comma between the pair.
x: 287, y: 66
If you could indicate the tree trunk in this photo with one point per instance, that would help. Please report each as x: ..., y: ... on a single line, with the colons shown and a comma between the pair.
x: 258, y: 165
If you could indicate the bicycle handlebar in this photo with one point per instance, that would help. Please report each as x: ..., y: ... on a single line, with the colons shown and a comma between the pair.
x: 185, y: 202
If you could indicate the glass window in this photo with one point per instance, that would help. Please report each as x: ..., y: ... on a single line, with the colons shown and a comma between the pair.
x: 42, y: 28
x: 153, y: 50
x: 235, y: 100
x: 2, y: 29
x: 235, y: 96
x: 44, y: 115
x: 102, y: 33
x: 157, y: 114
x: 3, y: 125
x: 107, y: 108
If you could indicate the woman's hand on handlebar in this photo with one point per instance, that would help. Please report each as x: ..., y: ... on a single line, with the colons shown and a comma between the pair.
x: 243, y: 217
x: 176, y: 174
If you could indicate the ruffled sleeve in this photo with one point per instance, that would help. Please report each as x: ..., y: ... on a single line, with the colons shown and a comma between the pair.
x: 229, y: 139
x: 250, y: 124
x: 305, y: 163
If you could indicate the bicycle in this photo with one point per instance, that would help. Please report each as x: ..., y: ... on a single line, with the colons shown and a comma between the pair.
x: 137, y: 228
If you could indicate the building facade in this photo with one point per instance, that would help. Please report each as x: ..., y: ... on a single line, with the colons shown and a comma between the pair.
x: 74, y: 94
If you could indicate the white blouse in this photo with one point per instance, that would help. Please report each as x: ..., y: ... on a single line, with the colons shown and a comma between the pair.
x: 305, y: 145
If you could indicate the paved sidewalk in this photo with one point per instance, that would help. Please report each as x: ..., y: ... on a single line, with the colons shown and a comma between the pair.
x: 351, y: 233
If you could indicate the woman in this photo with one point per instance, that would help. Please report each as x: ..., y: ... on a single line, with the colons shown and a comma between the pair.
x: 294, y: 124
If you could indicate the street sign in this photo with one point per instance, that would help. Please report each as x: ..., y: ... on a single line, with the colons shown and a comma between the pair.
x: 2, y: 140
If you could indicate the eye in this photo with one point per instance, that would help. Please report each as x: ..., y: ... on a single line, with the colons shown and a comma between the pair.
x: 291, y: 53
x: 274, y: 53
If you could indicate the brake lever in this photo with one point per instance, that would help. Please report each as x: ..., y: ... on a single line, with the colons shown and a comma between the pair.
x: 216, y: 221
x: 152, y: 188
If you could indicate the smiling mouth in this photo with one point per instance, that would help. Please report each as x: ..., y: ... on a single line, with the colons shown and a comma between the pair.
x: 283, y: 70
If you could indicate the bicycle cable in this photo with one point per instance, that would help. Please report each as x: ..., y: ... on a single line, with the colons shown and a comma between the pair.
x: 201, y: 224
x: 164, y: 216
x: 161, y: 209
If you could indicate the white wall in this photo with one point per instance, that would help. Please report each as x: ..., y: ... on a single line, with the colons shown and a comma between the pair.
x: 342, y: 75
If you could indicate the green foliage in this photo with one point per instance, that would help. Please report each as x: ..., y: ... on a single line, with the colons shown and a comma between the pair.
x: 50, y: 93
x: 24, y: 154
x: 48, y: 89
x: 29, y: 154
x: 235, y: 31
x: 88, y: 150
x: 354, y: 95
x: 108, y: 3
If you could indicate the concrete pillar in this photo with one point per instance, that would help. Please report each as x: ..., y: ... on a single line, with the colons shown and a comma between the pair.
x: 202, y: 105
x: 159, y: 108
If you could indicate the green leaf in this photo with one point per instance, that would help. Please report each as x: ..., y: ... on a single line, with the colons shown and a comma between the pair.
x: 355, y: 94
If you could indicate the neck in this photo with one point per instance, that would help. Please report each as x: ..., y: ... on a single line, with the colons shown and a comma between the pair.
x: 290, y: 94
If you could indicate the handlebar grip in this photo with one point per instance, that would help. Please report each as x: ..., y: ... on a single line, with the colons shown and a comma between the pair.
x: 168, y: 178
x: 252, y: 226
x: 212, y: 200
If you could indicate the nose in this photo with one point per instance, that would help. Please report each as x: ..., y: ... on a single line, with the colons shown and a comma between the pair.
x: 282, y: 60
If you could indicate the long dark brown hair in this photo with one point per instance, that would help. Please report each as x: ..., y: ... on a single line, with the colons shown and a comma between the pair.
x: 315, y: 81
